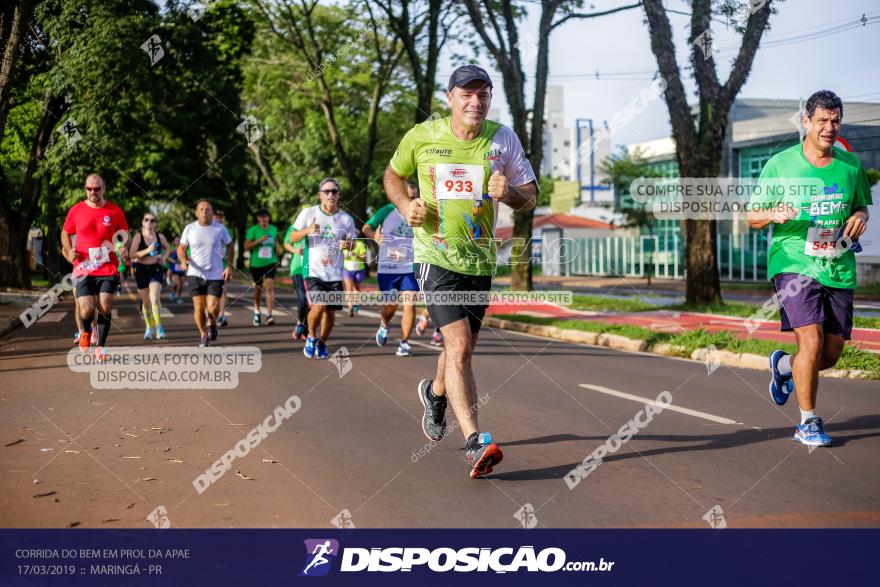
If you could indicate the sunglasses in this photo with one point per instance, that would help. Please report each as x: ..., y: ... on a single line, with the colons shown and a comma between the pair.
x: 88, y: 189
x: 149, y: 220
x: 331, y: 192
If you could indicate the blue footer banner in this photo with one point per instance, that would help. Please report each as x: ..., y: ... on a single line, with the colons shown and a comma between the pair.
x: 436, y: 557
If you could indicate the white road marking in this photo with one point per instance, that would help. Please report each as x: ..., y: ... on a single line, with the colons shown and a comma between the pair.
x: 425, y: 345
x: 370, y: 314
x: 165, y: 312
x: 649, y: 401
x: 53, y: 317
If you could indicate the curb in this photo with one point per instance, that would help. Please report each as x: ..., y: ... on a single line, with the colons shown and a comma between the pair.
x: 622, y: 343
x: 9, y: 325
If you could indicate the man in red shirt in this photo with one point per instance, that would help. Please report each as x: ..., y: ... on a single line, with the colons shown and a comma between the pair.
x: 100, y: 230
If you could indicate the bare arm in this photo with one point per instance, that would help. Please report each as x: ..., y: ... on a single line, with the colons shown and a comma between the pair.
x: 67, y: 247
x: 857, y: 224
x: 414, y: 211
x: 522, y: 198
x: 781, y: 214
x: 181, y: 256
x: 298, y: 235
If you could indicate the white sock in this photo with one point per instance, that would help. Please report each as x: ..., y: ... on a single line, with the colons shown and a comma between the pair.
x: 784, y: 365
x: 806, y: 415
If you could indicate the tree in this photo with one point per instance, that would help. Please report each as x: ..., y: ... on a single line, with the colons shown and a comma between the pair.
x: 699, y: 142
x: 148, y: 99
x: 70, y: 60
x: 327, y: 40
x: 503, y: 41
x: 423, y: 28
x: 621, y: 170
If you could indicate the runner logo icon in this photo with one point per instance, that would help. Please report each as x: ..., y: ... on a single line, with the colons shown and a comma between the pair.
x: 320, y: 554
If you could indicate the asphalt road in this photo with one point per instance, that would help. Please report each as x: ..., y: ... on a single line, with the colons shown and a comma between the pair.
x: 74, y: 455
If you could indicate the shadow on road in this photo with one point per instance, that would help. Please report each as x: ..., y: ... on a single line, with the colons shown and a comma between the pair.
x: 701, y: 442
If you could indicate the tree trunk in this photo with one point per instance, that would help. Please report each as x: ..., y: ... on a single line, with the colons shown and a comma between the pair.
x: 18, y: 215
x: 17, y: 33
x: 52, y: 235
x: 14, y: 258
x: 521, y: 252
x: 703, y: 283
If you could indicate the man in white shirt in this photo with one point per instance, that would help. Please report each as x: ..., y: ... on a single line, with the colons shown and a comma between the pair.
x: 327, y: 230
x: 201, y: 251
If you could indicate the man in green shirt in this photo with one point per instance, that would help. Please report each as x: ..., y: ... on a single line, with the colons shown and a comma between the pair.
x: 466, y: 165
x: 814, y: 232
x: 296, y: 250
x: 262, y: 241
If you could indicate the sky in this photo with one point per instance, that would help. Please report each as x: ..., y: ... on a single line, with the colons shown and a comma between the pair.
x: 618, y: 47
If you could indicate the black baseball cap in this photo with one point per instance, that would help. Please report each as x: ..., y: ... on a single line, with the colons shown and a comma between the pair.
x: 466, y: 74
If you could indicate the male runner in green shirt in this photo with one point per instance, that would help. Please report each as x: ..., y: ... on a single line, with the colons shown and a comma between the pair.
x: 262, y: 241
x: 465, y: 166
x: 814, y: 231
x: 296, y: 249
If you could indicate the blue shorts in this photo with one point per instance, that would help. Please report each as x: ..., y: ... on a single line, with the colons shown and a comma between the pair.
x: 805, y: 301
x: 398, y: 281
x: 355, y: 276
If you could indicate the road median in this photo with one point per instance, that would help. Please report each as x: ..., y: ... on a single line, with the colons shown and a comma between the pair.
x: 654, y: 345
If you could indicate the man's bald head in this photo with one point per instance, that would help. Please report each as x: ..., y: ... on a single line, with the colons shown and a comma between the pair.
x: 95, y: 177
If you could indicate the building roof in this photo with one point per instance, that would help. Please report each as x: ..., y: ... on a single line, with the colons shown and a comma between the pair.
x: 559, y: 221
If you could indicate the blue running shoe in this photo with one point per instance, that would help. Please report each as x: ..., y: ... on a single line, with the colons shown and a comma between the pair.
x: 160, y: 332
x: 309, y: 347
x: 322, y: 353
x: 781, y: 385
x: 382, y: 335
x: 812, y: 433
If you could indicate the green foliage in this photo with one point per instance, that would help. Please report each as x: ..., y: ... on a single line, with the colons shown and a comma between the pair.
x: 622, y: 169
x: 873, y: 176
x: 280, y: 90
x: 547, y: 185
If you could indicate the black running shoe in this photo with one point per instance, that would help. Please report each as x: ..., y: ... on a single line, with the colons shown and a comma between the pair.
x: 483, y: 456
x: 434, y: 420
x: 212, y: 328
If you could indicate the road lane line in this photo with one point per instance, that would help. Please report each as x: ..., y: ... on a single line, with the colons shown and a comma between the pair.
x: 649, y: 401
x: 425, y: 345
x: 53, y: 317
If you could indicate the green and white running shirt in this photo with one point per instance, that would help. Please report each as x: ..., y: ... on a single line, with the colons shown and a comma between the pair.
x: 808, y: 244
x: 453, y: 179
x: 322, y: 257
x: 396, y: 251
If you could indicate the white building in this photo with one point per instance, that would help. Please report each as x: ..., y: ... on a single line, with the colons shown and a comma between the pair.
x: 575, y: 153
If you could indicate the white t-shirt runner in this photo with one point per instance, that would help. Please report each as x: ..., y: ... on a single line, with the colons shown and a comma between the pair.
x: 396, y: 251
x: 207, y: 245
x: 322, y: 257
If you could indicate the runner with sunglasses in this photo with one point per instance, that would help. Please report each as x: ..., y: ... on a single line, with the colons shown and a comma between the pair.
x: 326, y: 230
x: 99, y: 226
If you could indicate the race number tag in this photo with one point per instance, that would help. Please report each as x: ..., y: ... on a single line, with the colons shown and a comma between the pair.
x: 264, y: 253
x: 99, y: 255
x: 458, y: 182
x: 821, y: 242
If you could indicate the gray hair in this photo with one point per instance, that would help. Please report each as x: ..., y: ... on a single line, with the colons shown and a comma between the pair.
x: 326, y: 180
